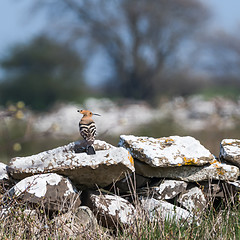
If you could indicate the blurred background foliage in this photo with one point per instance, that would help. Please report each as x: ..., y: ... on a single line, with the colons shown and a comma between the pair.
x: 151, y: 51
x: 40, y: 73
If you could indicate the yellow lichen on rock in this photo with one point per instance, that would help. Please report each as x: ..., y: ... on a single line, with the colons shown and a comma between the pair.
x: 189, y: 161
x: 220, y: 170
x: 131, y: 159
x: 214, y: 161
x: 169, y: 140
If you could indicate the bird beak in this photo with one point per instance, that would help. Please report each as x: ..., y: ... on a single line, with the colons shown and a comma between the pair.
x: 96, y: 114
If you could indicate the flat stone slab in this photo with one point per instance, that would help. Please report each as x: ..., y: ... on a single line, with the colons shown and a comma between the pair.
x: 230, y: 151
x: 214, y: 171
x: 159, y: 209
x: 108, y: 164
x: 54, y: 191
x: 173, y: 151
x: 169, y: 189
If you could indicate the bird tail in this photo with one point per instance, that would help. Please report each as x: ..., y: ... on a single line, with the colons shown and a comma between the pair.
x: 90, y: 150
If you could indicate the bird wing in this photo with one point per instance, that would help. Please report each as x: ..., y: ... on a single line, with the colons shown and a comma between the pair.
x: 88, y: 131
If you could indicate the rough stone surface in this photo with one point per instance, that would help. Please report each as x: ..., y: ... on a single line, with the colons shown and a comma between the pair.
x: 112, y: 210
x: 3, y: 172
x: 132, y: 182
x: 156, y: 209
x: 170, y: 151
x: 169, y: 189
x: 212, y: 189
x: 77, y: 221
x: 214, y: 171
x: 193, y: 200
x: 230, y: 151
x: 236, y: 184
x: 52, y: 190
x: 84, y: 170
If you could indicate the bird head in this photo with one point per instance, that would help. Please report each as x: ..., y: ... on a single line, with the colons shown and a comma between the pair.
x: 87, y: 113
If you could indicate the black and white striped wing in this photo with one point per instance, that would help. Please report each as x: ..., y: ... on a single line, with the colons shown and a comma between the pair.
x: 88, y: 131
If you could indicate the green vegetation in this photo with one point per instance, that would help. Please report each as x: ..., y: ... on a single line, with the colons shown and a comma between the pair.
x: 41, y: 73
x: 231, y: 92
x: 18, y: 222
x: 18, y: 138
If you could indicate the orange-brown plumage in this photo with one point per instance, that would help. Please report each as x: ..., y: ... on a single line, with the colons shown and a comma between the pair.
x: 87, y: 116
x: 87, y: 129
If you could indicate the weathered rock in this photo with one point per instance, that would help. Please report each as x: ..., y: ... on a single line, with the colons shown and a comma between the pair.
x: 169, y: 189
x: 230, y: 151
x: 214, y: 171
x: 111, y: 210
x: 131, y: 182
x: 84, y: 170
x: 161, y: 210
x: 6, y: 182
x: 52, y: 190
x: 167, y: 151
x: 77, y: 221
x: 212, y: 189
x: 193, y: 200
x: 3, y: 172
x: 236, y: 184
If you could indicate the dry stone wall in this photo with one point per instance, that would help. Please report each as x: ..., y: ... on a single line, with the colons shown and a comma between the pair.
x: 170, y: 177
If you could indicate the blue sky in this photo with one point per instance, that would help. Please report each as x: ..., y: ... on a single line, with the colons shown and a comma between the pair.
x: 18, y: 25
x: 226, y: 14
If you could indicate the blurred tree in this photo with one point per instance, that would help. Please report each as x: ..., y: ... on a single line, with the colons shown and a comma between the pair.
x: 41, y: 73
x: 140, y: 38
x: 223, y: 52
x: 218, y: 55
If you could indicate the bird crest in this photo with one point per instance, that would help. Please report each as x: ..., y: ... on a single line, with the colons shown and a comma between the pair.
x: 87, y: 113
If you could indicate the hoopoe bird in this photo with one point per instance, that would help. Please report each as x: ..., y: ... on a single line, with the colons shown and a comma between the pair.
x: 87, y: 129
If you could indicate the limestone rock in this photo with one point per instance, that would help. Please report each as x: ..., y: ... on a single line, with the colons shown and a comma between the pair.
x: 132, y: 182
x: 212, y: 189
x: 236, y: 184
x: 159, y: 209
x: 214, y: 171
x: 76, y: 221
x: 112, y: 210
x: 167, y: 151
x: 193, y: 200
x: 52, y: 190
x: 84, y: 170
x: 230, y: 151
x: 3, y: 172
x: 168, y: 189
x: 6, y: 182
